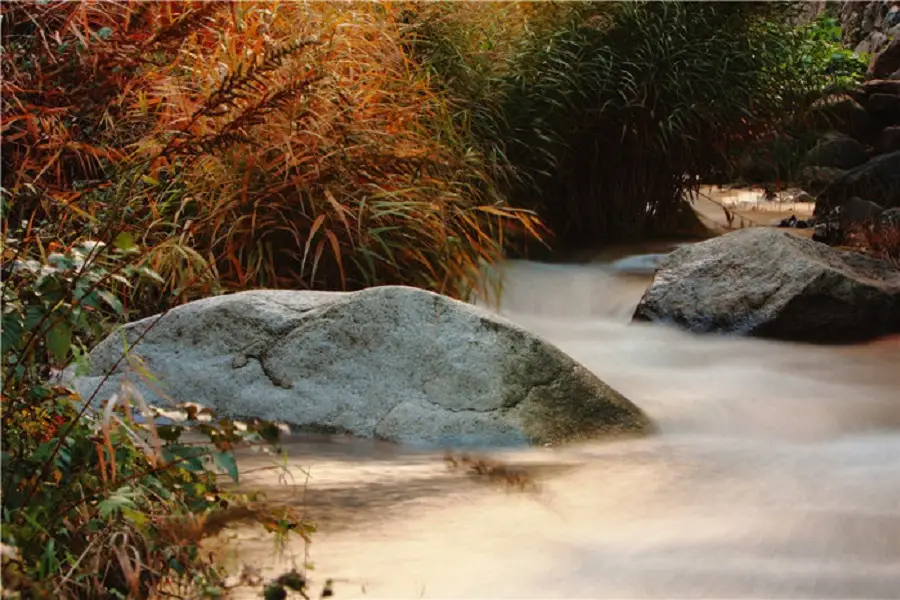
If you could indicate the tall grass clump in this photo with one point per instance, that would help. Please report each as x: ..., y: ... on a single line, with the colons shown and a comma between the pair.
x: 270, y: 144
x: 607, y: 116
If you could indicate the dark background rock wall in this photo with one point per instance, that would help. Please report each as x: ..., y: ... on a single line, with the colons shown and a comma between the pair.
x: 868, y: 26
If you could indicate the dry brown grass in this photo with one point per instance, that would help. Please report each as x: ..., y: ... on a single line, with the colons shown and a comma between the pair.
x: 879, y: 240
x: 270, y: 144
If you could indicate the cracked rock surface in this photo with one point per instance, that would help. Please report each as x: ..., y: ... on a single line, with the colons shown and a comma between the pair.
x: 769, y: 283
x: 392, y: 362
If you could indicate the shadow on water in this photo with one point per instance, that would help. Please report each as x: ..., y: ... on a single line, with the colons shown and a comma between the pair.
x: 339, y: 486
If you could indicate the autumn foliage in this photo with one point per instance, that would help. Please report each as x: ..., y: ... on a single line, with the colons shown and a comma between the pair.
x: 155, y: 152
x: 246, y: 144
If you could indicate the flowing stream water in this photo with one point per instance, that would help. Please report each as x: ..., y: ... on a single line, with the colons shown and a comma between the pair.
x: 775, y: 474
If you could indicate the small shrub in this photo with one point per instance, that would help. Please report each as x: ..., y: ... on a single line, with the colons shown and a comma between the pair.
x: 97, y: 503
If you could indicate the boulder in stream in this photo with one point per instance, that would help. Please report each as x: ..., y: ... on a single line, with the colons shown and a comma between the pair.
x: 391, y: 362
x: 770, y: 283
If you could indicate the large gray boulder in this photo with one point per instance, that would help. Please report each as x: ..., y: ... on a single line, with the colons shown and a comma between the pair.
x: 770, y: 283
x: 392, y: 362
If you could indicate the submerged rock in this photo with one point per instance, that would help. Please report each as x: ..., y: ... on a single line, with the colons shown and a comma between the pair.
x: 769, y: 283
x: 639, y: 264
x: 392, y: 362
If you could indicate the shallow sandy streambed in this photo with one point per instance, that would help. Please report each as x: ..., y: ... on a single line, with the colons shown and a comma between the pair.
x: 776, y: 475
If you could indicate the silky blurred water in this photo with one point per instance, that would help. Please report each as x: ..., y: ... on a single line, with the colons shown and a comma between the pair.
x: 776, y: 473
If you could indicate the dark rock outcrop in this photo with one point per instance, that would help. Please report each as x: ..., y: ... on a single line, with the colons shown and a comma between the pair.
x: 886, y: 63
x: 838, y: 152
x: 844, y: 114
x: 857, y: 211
x: 884, y: 107
x: 888, y: 140
x: 877, y: 180
x: 770, y: 283
x: 816, y: 179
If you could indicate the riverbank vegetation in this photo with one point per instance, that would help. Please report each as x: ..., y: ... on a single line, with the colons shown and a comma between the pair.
x: 157, y: 152
x: 605, y: 116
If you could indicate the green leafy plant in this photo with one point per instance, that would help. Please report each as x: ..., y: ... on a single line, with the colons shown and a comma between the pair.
x: 103, y: 500
x: 809, y: 63
x: 58, y: 303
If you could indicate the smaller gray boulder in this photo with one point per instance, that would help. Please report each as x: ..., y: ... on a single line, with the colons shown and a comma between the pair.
x: 769, y: 283
x: 391, y: 362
